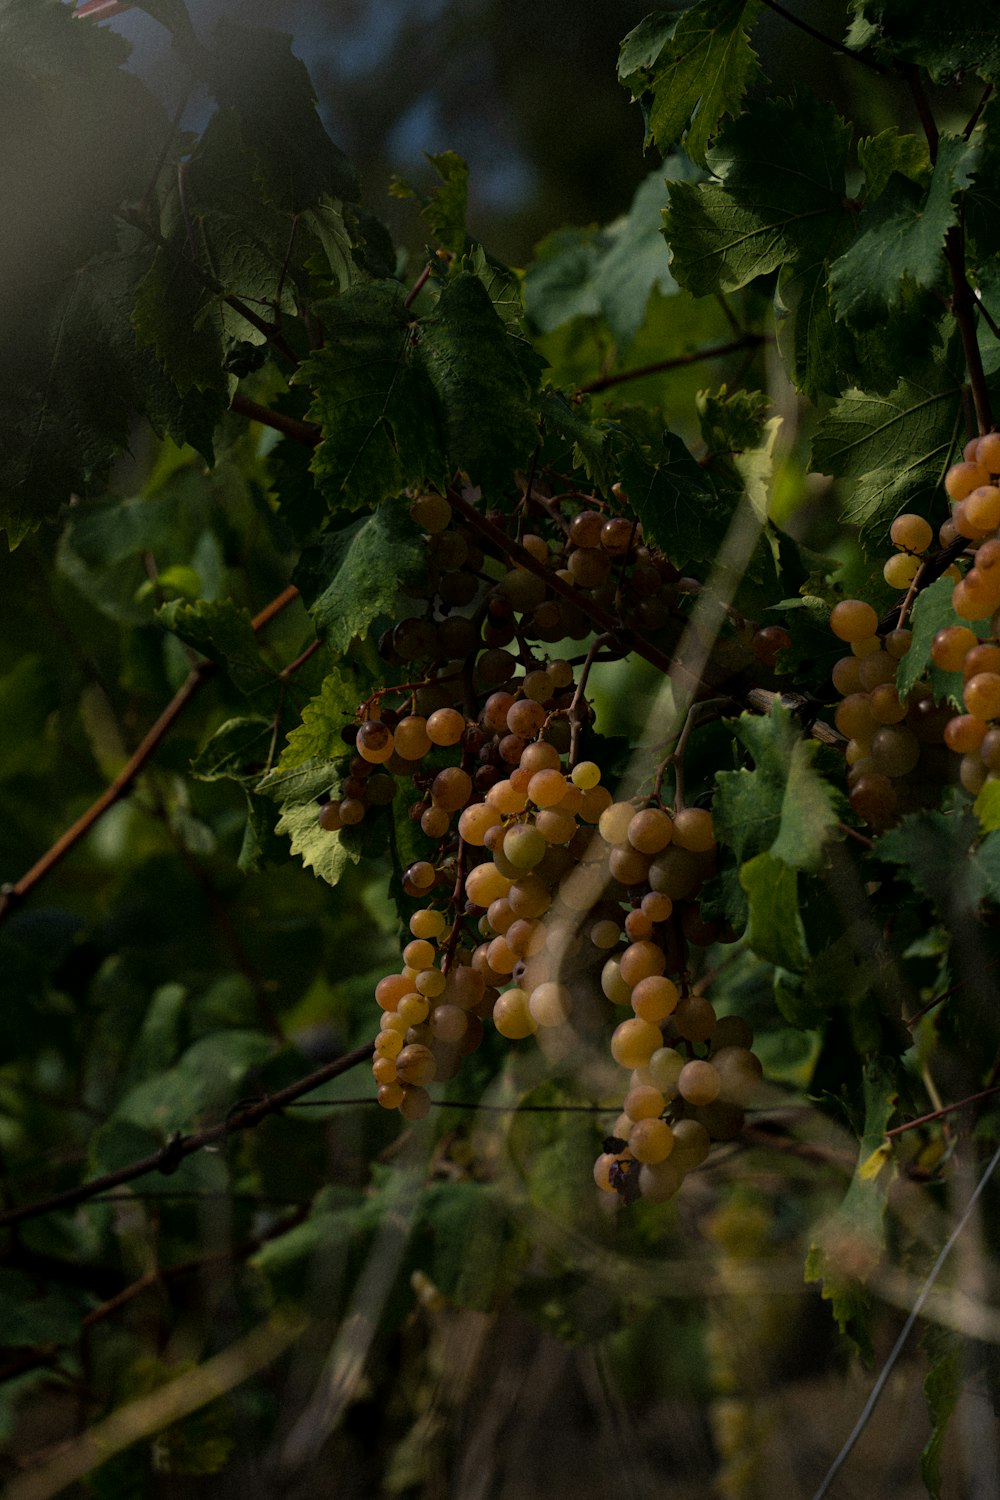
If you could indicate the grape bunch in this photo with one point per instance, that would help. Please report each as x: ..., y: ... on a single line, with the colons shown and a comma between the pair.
x: 893, y: 745
x: 544, y: 904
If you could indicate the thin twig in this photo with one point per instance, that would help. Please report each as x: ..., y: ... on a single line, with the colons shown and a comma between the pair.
x: 181, y: 1146
x: 715, y: 351
x: 828, y: 41
x: 938, y: 1114
x: 12, y: 895
x: 907, y: 1328
x: 300, y: 432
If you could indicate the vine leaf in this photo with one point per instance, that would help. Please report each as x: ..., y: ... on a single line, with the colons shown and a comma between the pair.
x: 689, y: 70
x: 220, y: 631
x: 946, y: 40
x: 351, y: 576
x: 848, y: 1247
x: 297, y: 792
x: 900, y: 236
x: 943, y: 1385
x: 894, y: 449
x: 932, y: 611
x: 777, y: 196
x: 776, y: 819
x: 446, y: 206
x: 317, y: 736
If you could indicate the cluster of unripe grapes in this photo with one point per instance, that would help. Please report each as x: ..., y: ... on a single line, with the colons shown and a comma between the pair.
x: 893, y: 745
x: 544, y: 903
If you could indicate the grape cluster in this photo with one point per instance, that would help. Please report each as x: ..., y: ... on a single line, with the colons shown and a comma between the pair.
x: 544, y: 903
x: 894, y: 745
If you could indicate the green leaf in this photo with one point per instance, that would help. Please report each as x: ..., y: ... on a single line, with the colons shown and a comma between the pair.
x: 777, y: 198
x: 900, y: 237
x: 987, y: 806
x: 223, y: 633
x: 32, y: 1316
x: 947, y: 41
x: 203, y: 1082
x: 932, y: 611
x: 774, y: 927
x: 353, y: 575
x: 237, y: 751
x: 879, y: 156
x: 446, y: 210
x: 690, y: 70
x: 27, y: 698
x: 180, y: 315
x: 471, y: 360
x: 893, y: 449
x: 942, y: 1388
x: 935, y: 853
x: 254, y: 73
x: 607, y: 272
x: 855, y: 1235
x: 297, y: 792
x: 318, y: 735
x: 670, y: 492
x: 784, y: 810
x: 374, y: 400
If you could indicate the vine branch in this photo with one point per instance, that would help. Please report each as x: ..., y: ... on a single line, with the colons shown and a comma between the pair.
x: 716, y: 351
x: 12, y: 895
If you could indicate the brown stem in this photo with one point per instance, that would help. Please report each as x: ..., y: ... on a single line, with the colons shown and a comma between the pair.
x: 573, y: 712
x: 964, y: 308
x: 300, y: 432
x: 827, y: 41
x: 12, y: 895
x: 938, y: 1114
x: 181, y: 1146
x: 417, y: 287
x: 716, y: 351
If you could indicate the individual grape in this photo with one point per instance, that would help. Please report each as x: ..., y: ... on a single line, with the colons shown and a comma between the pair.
x: 984, y: 657
x: 699, y: 1082
x: 615, y: 821
x: 413, y: 1009
x: 974, y: 597
x: 854, y: 718
x: 613, y: 985
x: 500, y: 958
x: 391, y: 1095
x: 415, y: 1103
x: 560, y: 674
x: 605, y: 933
x: 638, y: 925
x: 329, y: 817
x: 375, y: 741
x: 384, y: 1070
x: 641, y: 960
x: 451, y: 788
x: 431, y: 512
x: 586, y: 528
x: 895, y: 749
x: 633, y: 1042
x: 512, y: 1016
x: 496, y: 666
x: 900, y: 569
x: 740, y: 1072
x: 694, y: 1018
x: 476, y: 821
x: 693, y: 831
x: 676, y: 873
x: 873, y: 798
x: 768, y: 643
x: 419, y: 954
x: 430, y: 983
x: 912, y: 533
x: 665, y: 1067
x: 421, y: 875
x: 445, y: 726
x: 972, y: 774
x: 586, y: 775
x: 546, y: 788
x: 540, y: 756
x: 657, y: 906
x: 589, y: 568
x: 628, y: 866
x: 524, y: 846
x: 981, y: 695
x: 525, y: 718
x: 951, y: 645
x: 853, y: 620
x: 550, y: 1004
x: 495, y: 710
x: 529, y: 897
x: 415, y: 1064
x: 352, y: 810
x: 596, y: 800
x: 650, y: 830
x: 435, y: 822
x: 644, y: 1102
x: 866, y: 646
x: 964, y: 734
x: 651, y: 1141
x: 692, y: 1144
x: 989, y: 750
x: 389, y: 1043
x: 660, y: 1181
x: 537, y: 686
x: 390, y: 990
x: 506, y: 799
x: 962, y: 478
x: 525, y: 937
x: 524, y: 590
x: 654, y: 998
x: 898, y: 643
x: 987, y: 452
x: 885, y: 705
x: 982, y: 508
x: 616, y: 535
x: 428, y: 923
x: 414, y: 639
x: 555, y: 825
